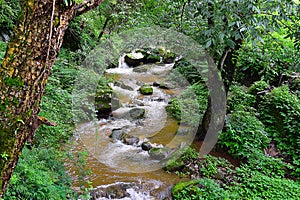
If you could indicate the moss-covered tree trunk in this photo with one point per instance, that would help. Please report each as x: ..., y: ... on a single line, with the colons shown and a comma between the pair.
x: 24, y: 73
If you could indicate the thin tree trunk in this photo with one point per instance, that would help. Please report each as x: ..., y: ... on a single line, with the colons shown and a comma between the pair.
x: 103, y: 28
x: 24, y: 73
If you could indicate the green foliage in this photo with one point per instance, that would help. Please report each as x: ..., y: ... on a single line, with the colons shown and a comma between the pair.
x: 257, y: 87
x: 244, y: 132
x: 255, y: 185
x: 186, y: 155
x: 269, y: 166
x: 238, y: 97
x: 3, y: 46
x: 191, y: 105
x: 266, y: 60
x: 39, y: 175
x: 198, y: 190
x: 209, y: 165
x: 280, y: 112
x: 9, y: 11
x: 187, y: 71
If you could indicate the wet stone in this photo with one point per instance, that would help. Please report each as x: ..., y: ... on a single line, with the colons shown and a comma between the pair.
x: 146, y: 146
x: 131, y: 140
x: 137, y: 113
x: 118, y: 134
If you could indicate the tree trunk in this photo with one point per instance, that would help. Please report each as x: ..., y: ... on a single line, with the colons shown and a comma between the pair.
x: 226, y: 65
x: 24, y: 73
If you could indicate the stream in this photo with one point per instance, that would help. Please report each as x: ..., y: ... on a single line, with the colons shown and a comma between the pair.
x: 121, y: 171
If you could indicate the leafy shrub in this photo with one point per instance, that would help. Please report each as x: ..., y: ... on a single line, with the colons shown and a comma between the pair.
x: 39, y: 175
x: 191, y: 105
x: 208, y: 166
x: 8, y: 14
x: 187, y: 154
x: 3, y: 46
x: 268, y: 60
x: 198, y: 190
x: 269, y: 166
x: 183, y: 68
x: 257, y: 87
x: 255, y: 185
x: 280, y: 112
x: 244, y: 132
x: 238, y: 97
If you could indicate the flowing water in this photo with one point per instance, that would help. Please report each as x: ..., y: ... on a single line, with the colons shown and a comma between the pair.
x: 114, y: 163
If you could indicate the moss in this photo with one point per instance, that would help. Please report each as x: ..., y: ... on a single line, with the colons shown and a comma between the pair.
x: 7, y: 141
x: 181, y: 156
x: 146, y: 90
x: 15, y: 81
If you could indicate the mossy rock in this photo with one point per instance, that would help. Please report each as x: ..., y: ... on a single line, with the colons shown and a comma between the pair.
x: 179, y: 157
x: 146, y: 89
x: 159, y: 153
x: 137, y: 113
x: 134, y: 59
x: 118, y: 134
x: 105, y: 102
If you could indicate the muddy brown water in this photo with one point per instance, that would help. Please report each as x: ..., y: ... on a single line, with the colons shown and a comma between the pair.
x: 114, y: 162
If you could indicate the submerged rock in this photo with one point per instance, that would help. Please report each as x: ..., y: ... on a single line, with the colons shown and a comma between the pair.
x: 141, y: 69
x: 137, y: 113
x: 118, y: 134
x: 146, y: 89
x: 115, y: 191
x: 163, y: 85
x: 124, y: 86
x: 159, y: 153
x: 131, y: 140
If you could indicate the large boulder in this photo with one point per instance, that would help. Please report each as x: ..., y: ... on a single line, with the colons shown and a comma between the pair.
x: 134, y: 59
x: 142, y: 68
x: 106, y: 102
x: 146, y: 89
x: 140, y: 57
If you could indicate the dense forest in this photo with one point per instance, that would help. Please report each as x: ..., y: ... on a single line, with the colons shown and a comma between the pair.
x: 223, y: 76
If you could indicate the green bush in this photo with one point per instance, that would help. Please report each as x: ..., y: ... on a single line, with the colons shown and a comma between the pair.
x: 3, y: 46
x: 238, y: 97
x: 190, y: 106
x: 208, y: 167
x: 198, y: 190
x: 40, y: 174
x: 268, y: 60
x: 186, y: 155
x: 280, y: 112
x: 255, y: 185
x: 9, y: 11
x: 244, y: 132
x: 183, y: 68
x: 269, y: 166
x: 258, y: 86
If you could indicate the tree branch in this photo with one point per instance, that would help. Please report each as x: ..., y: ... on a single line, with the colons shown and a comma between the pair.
x: 86, y: 6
